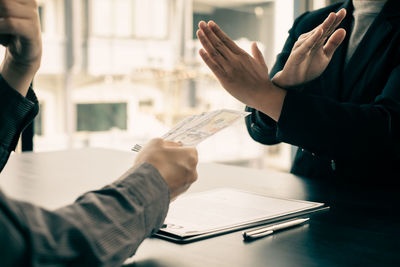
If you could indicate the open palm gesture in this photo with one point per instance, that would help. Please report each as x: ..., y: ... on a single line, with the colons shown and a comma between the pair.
x: 312, y: 52
x: 244, y: 76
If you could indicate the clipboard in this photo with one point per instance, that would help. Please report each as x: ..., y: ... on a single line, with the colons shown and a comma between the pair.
x: 198, y: 216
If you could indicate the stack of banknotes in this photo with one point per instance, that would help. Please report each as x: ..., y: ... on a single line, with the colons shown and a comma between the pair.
x: 194, y: 129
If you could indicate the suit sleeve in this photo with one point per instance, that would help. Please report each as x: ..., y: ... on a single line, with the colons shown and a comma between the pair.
x: 327, y: 127
x: 260, y: 126
x: 16, y: 112
x: 343, y: 130
x: 102, y: 228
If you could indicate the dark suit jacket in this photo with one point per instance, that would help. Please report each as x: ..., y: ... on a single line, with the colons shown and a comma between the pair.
x: 346, y: 123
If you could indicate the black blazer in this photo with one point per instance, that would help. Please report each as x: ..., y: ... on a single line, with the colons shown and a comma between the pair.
x: 346, y: 123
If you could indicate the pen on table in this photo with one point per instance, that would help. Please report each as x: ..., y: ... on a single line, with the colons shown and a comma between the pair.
x: 261, y: 232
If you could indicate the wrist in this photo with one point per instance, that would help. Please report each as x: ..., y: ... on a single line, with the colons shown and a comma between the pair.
x: 271, y: 101
x: 20, y: 68
x: 19, y: 76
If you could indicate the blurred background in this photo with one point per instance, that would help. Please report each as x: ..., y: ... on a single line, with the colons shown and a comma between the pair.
x: 119, y: 72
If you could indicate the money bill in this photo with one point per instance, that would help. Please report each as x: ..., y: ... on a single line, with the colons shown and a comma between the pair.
x: 194, y: 129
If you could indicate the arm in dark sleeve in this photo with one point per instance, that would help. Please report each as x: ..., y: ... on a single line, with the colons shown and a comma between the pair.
x: 343, y: 130
x: 259, y: 125
x: 102, y: 228
x: 16, y: 112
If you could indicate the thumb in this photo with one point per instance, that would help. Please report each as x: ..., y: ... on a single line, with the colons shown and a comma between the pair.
x: 276, y: 76
x: 172, y: 143
x: 257, y: 53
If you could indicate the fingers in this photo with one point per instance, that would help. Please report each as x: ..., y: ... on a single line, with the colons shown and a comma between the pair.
x: 188, y: 161
x: 210, y: 55
x: 176, y: 164
x: 172, y: 144
x: 177, y: 148
x: 328, y: 26
x: 161, y: 142
x: 340, y: 16
x: 191, y: 154
x: 31, y: 3
x: 307, y: 45
x: 257, y: 54
x: 333, y: 42
x: 219, y: 51
x: 224, y: 38
x: 192, y: 158
x: 174, y: 149
x: 214, y: 46
x: 304, y: 36
x: 210, y: 49
x: 14, y: 26
x: 331, y: 23
x: 19, y: 18
x: 316, y: 38
x: 15, y: 9
x: 214, y: 67
x: 328, y: 23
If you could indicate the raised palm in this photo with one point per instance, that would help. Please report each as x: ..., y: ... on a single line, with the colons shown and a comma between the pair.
x: 312, y: 52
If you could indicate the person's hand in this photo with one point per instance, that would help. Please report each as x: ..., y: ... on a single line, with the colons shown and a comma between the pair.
x: 312, y: 52
x: 176, y: 164
x: 245, y: 77
x: 20, y: 34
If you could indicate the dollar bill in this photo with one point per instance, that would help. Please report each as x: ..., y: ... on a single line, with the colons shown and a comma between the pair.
x: 194, y: 129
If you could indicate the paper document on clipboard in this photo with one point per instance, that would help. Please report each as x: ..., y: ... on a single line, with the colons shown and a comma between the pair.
x: 199, y: 215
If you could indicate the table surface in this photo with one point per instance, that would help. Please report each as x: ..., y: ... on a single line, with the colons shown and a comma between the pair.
x: 362, y: 227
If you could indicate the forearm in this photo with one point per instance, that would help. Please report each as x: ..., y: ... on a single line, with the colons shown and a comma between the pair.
x: 102, y: 227
x: 261, y: 127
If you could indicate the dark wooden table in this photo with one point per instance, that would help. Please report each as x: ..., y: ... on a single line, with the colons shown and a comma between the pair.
x: 362, y: 227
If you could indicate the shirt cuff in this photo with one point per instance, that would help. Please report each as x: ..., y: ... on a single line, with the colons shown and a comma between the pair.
x: 291, y: 123
x: 261, y: 127
x: 16, y: 112
x: 146, y: 185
